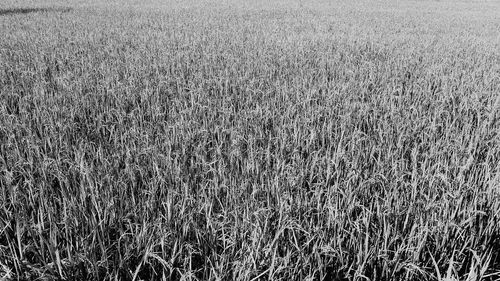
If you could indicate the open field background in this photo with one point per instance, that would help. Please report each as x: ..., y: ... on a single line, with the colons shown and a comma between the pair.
x: 250, y: 140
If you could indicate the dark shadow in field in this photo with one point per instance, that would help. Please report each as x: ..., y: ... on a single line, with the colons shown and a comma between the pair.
x: 20, y: 11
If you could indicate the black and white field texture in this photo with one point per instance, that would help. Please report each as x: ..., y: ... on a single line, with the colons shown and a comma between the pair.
x: 249, y: 140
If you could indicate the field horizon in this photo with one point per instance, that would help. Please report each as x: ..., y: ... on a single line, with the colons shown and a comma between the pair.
x: 263, y: 140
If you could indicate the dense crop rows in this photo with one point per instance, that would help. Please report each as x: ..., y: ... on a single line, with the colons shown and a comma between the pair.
x: 248, y: 141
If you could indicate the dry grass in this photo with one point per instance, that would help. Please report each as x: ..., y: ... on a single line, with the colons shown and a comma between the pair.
x: 222, y: 140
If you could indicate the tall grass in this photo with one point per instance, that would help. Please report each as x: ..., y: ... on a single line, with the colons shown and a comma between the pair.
x: 250, y: 141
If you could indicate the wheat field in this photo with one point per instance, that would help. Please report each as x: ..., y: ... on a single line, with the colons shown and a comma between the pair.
x: 249, y: 140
